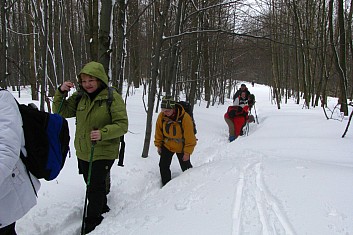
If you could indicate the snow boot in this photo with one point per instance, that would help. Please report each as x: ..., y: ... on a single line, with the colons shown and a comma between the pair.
x: 91, y: 223
x: 105, y: 209
x: 231, y: 138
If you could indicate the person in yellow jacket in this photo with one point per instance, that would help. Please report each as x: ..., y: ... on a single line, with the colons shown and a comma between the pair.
x: 174, y: 134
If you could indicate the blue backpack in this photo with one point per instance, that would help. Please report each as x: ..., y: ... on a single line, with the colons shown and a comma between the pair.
x: 46, y: 140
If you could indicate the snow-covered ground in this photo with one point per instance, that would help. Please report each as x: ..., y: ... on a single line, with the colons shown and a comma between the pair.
x: 292, y: 174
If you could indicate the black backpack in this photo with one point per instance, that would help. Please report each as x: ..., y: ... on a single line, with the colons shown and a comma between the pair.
x: 46, y: 140
x: 188, y: 109
x: 251, y: 100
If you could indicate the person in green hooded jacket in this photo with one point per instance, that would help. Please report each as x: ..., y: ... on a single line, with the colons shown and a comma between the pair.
x: 96, y: 122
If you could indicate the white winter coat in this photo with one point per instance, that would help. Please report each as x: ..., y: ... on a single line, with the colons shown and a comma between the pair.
x: 240, y: 102
x: 17, y: 195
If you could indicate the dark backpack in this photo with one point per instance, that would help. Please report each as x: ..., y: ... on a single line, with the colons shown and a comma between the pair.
x: 251, y: 100
x: 109, y: 103
x: 46, y: 140
x: 188, y: 109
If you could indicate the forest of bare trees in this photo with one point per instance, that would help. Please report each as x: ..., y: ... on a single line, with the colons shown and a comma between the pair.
x: 301, y: 49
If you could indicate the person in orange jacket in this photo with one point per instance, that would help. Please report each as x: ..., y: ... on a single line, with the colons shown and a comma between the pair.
x: 174, y: 134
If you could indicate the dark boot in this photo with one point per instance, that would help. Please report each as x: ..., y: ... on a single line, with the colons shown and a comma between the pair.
x: 8, y: 230
x: 91, y: 223
x: 105, y: 209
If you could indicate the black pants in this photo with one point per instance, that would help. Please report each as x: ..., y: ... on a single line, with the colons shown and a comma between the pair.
x: 166, y: 160
x: 97, y: 197
x: 8, y: 230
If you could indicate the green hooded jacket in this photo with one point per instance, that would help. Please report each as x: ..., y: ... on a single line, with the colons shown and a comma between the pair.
x: 112, y: 122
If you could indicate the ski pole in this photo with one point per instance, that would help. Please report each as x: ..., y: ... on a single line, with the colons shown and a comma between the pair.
x: 62, y: 102
x: 87, y: 186
x: 257, y: 121
x: 121, y: 152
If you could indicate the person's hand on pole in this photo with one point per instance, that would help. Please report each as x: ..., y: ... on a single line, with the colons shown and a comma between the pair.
x: 95, y: 135
x: 66, y: 86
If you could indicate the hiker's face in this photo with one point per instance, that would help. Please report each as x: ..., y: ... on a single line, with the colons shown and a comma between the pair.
x: 89, y: 83
x: 167, y: 112
x: 243, y: 94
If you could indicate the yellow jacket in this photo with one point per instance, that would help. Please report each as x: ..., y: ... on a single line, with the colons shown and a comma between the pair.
x: 176, y: 135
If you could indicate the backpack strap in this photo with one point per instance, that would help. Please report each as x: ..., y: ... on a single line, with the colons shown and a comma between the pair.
x: 109, y: 101
x: 182, y: 131
x: 29, y: 175
x: 23, y: 156
x: 122, y: 139
x: 180, y: 121
x: 110, y: 96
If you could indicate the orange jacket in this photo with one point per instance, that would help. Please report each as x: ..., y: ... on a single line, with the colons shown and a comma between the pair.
x: 169, y: 133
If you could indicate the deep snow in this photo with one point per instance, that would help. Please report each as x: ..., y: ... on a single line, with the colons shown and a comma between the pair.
x: 292, y: 174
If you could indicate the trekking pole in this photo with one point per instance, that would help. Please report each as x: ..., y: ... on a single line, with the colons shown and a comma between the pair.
x: 62, y: 102
x: 257, y: 121
x: 121, y: 152
x: 87, y: 186
x: 247, y: 128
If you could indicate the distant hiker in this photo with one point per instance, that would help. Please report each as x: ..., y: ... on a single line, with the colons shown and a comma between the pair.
x: 248, y: 98
x: 241, y: 100
x: 237, y: 116
x: 241, y: 89
x: 17, y: 194
x: 99, y: 126
x: 174, y: 134
x: 252, y: 83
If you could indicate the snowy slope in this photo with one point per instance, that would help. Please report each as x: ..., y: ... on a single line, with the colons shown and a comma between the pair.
x: 293, y: 174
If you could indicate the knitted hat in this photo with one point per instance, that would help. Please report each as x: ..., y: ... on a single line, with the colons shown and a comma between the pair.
x: 168, y: 102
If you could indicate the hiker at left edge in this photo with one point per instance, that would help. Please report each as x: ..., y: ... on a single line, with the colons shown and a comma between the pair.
x: 17, y: 195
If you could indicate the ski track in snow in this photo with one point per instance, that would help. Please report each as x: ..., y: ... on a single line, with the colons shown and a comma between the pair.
x: 256, y: 210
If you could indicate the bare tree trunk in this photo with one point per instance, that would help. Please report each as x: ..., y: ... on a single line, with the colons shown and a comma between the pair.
x: 58, y: 42
x: 350, y: 43
x: 206, y: 61
x: 93, y: 23
x: 340, y: 65
x: 173, y: 60
x: 343, y: 56
x: 121, y: 44
x: 135, y: 43
x: 275, y: 57
x: 153, y: 84
x: 322, y: 53
x: 104, y: 34
x: 44, y: 54
x: 3, y: 47
x: 195, y: 61
x: 31, y: 52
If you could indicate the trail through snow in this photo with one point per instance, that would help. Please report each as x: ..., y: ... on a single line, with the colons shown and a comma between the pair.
x: 292, y: 174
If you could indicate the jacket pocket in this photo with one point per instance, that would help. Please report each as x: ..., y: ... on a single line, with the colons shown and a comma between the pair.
x: 17, y: 177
